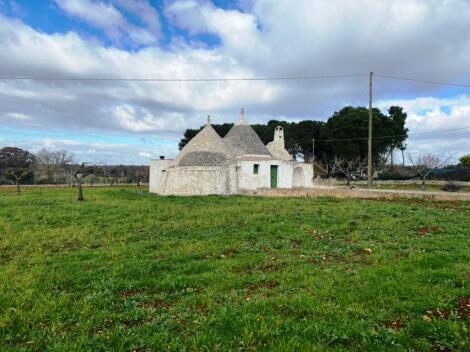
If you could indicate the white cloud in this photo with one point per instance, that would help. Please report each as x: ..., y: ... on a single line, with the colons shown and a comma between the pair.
x: 141, y: 120
x: 416, y: 38
x: 99, y: 14
x: 428, y: 115
x: 20, y: 117
x: 98, y: 152
x: 143, y: 10
x: 106, y: 17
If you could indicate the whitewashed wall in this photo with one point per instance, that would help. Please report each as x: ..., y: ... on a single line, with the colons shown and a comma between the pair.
x: 157, y: 175
x: 247, y: 180
x: 200, y: 180
x: 306, y: 180
x: 196, y: 180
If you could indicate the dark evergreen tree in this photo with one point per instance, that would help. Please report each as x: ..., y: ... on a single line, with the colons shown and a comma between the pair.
x: 344, y: 135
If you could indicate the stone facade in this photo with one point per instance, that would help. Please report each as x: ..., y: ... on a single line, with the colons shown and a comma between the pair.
x: 240, y: 162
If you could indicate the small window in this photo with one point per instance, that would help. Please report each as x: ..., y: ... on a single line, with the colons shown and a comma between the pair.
x: 255, y: 168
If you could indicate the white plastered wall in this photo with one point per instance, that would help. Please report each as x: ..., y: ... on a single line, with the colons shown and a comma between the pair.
x: 157, y: 174
x: 231, y: 179
x: 197, y: 180
x: 302, y: 175
x: 247, y: 180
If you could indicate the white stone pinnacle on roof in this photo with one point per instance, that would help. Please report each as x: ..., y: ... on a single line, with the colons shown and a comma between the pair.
x: 208, y: 119
x: 242, y: 120
x: 243, y: 140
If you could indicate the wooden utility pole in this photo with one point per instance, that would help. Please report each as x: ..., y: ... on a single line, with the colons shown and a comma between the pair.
x: 369, y: 155
x: 313, y: 156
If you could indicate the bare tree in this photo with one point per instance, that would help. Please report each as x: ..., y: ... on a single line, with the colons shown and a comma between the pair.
x: 111, y: 173
x: 52, y: 162
x: 350, y: 168
x: 138, y: 174
x: 18, y: 175
x: 79, y: 172
x: 425, y: 164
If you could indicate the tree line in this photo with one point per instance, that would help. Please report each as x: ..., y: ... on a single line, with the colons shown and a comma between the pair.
x: 20, y: 166
x: 343, y: 136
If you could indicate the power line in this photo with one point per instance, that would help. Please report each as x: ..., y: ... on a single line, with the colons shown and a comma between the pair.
x: 380, y: 137
x: 422, y: 81
x: 225, y: 79
x: 163, y: 79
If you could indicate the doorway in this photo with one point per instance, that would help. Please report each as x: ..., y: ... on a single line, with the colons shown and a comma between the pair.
x: 273, y: 176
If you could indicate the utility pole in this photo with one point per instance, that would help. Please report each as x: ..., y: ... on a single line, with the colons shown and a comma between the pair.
x: 369, y: 155
x: 313, y: 156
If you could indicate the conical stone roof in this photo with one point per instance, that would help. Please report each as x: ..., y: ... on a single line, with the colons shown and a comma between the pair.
x: 207, y: 148
x: 243, y: 140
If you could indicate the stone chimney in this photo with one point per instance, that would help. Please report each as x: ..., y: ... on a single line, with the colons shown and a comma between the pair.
x: 279, y: 135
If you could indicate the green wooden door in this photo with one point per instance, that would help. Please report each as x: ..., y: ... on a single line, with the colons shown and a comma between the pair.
x: 273, y: 176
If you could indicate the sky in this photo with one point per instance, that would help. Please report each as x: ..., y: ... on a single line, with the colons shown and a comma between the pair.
x: 130, y: 122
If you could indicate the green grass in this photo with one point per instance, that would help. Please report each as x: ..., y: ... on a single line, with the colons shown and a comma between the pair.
x: 127, y: 270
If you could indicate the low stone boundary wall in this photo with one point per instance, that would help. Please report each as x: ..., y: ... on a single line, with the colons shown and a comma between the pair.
x: 116, y: 185
x: 344, y: 192
x: 414, y: 182
x: 339, y: 182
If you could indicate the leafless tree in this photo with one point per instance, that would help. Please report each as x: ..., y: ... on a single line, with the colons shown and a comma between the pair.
x: 111, y: 174
x: 138, y: 174
x: 18, y: 176
x: 425, y: 164
x: 52, y: 162
x: 350, y: 168
x: 81, y: 171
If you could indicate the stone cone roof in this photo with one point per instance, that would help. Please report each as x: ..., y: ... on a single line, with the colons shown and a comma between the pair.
x: 243, y: 140
x: 207, y: 148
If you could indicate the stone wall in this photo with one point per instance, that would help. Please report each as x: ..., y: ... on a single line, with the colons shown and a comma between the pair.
x: 344, y: 192
x: 197, y: 181
x: 319, y: 181
x: 167, y: 179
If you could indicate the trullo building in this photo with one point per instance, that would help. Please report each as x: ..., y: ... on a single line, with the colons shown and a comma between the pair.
x: 237, y: 163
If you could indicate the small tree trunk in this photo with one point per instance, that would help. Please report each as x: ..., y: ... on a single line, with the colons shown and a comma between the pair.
x: 18, y: 189
x: 80, y: 192
x: 403, y: 157
x: 391, y: 155
x: 80, y: 189
x: 423, y: 183
x: 138, y: 182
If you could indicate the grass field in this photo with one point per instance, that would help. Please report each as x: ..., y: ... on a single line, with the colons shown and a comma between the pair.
x: 130, y: 271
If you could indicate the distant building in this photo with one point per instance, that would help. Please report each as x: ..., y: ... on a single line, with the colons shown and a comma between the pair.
x: 237, y: 163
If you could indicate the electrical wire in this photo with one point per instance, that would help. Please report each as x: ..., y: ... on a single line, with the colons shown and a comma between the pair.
x: 379, y: 137
x: 157, y: 79
x: 421, y: 80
